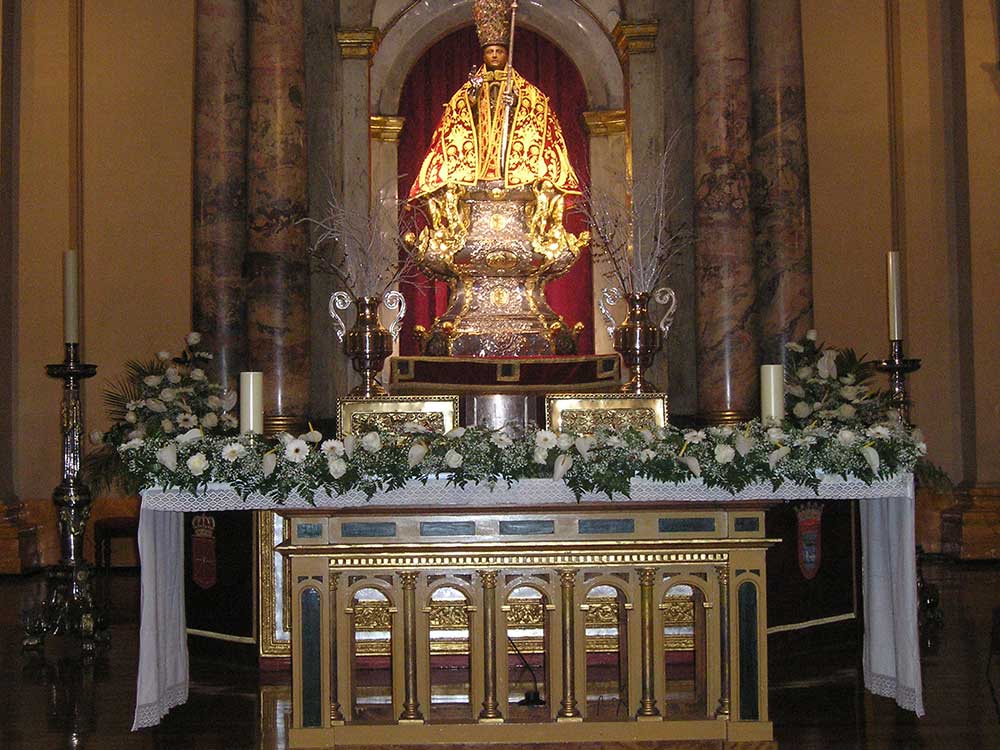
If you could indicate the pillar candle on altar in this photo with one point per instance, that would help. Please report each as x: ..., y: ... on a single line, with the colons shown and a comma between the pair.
x: 251, y: 402
x: 772, y: 393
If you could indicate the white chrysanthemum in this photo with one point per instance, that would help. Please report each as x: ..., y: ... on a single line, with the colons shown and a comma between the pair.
x: 152, y: 380
x: 197, y: 464
x: 230, y: 421
x: 453, y: 459
x: 545, y: 439
x: 879, y: 431
x: 613, y: 441
x: 167, y: 426
x: 332, y: 448
x: 233, y: 452
x: 724, y: 454
x: 296, y: 451
x: 167, y: 456
x: 694, y: 436
x: 847, y: 437
x: 372, y: 442
x: 501, y: 440
x: 336, y: 466
x: 563, y: 464
x: 187, y: 421
x: 210, y: 420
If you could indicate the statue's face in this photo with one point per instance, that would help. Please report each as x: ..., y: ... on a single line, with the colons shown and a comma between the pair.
x: 495, y: 57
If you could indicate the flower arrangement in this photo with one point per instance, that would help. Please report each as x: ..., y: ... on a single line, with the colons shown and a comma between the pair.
x: 164, y: 397
x: 831, y: 384
x: 731, y: 458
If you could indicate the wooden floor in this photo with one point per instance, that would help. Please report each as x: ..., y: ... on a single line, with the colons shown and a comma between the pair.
x: 816, y: 702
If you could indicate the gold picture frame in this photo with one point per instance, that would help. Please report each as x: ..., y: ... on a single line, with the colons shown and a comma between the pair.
x: 389, y: 413
x: 585, y: 413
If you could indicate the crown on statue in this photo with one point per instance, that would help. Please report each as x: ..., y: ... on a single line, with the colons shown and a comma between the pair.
x: 492, y: 21
x: 203, y: 525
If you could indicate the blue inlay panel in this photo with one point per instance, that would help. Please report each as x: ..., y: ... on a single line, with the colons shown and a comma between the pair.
x: 447, y: 528
x: 747, y: 524
x: 606, y: 526
x: 686, y: 525
x: 517, y: 528
x: 368, y: 528
x: 312, y: 687
x: 309, y: 530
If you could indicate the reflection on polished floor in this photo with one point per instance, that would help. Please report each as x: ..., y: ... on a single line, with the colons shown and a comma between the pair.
x: 817, y: 701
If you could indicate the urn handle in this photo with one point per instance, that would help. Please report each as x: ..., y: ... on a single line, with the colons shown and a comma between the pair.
x: 339, y: 301
x: 610, y: 295
x: 666, y: 297
x: 392, y: 300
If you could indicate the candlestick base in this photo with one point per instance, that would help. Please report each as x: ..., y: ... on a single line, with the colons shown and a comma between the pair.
x: 68, y: 609
x: 898, y: 368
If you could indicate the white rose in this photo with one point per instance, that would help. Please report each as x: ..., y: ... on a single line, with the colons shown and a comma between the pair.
x: 801, y: 410
x: 846, y: 437
x: 724, y: 454
x: 167, y: 426
x: 775, y: 456
x: 332, y: 448
x: 268, y: 463
x: 210, y: 420
x: 692, y: 463
x: 416, y: 453
x: 167, y: 395
x: 564, y: 440
x: 197, y: 464
x: 154, y: 404
x: 296, y: 451
x: 545, y: 439
x: 163, y: 355
x: 455, y: 433
x: 133, y: 443
x: 871, y: 456
x: 541, y: 454
x: 198, y: 374
x: 190, y: 436
x: 372, y: 442
x: 233, y: 452
x: 562, y: 465
x: 811, y: 334
x: 501, y: 439
x: 173, y: 376
x: 795, y: 390
x: 846, y: 411
x: 213, y: 402
x: 167, y: 455
x: 336, y: 466
x: 152, y: 380
x: 453, y: 459
x: 96, y: 437
x: 193, y: 338
x: 804, y: 373
x: 132, y: 418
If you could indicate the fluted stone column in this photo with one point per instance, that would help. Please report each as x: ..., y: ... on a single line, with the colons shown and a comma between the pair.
x: 277, y: 270
x: 727, y: 340
x: 220, y: 198
x: 781, y: 177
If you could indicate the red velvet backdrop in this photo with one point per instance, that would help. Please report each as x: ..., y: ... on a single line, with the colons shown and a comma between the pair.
x: 431, y: 82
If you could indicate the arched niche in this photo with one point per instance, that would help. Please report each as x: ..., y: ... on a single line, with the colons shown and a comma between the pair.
x: 573, y: 25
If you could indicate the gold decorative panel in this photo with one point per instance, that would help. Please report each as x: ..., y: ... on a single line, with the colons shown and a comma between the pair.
x: 391, y: 413
x: 584, y: 413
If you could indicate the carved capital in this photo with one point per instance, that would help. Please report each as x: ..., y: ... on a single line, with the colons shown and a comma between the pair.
x: 488, y: 577
x: 604, y: 122
x: 408, y: 578
x: 635, y: 37
x: 722, y: 571
x: 567, y: 577
x: 358, y: 44
x: 647, y: 576
x: 385, y: 128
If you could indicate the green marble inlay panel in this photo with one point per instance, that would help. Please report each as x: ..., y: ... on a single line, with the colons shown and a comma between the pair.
x: 686, y: 525
x: 747, y: 524
x: 749, y: 699
x: 517, y: 528
x: 312, y: 688
x: 368, y: 528
x: 447, y: 528
x: 309, y: 530
x: 606, y: 526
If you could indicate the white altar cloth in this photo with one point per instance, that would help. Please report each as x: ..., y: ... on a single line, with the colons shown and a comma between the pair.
x: 891, y: 656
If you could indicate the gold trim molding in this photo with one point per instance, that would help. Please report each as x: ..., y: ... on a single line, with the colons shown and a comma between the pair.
x: 635, y: 37
x: 358, y: 44
x: 385, y: 128
x: 605, y: 122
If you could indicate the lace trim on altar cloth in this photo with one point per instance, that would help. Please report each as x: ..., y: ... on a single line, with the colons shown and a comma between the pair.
x: 888, y: 687
x: 149, y: 714
x: 529, y: 492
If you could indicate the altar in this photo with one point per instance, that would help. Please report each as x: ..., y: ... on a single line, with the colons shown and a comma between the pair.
x: 486, y: 544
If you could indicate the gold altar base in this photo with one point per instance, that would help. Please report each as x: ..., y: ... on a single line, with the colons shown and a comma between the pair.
x: 416, y: 577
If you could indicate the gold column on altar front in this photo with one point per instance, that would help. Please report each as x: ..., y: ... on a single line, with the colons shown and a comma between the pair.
x: 491, y: 708
x: 411, y: 704
x: 722, y: 572
x: 647, y: 704
x: 336, y: 715
x: 568, y: 710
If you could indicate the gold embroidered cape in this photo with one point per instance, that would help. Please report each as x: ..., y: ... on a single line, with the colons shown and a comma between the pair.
x: 465, y: 148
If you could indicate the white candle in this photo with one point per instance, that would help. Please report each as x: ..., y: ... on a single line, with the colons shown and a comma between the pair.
x: 252, y: 402
x: 895, y: 282
x: 772, y: 393
x: 71, y: 297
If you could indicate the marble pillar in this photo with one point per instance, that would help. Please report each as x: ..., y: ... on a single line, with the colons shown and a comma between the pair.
x: 277, y: 268
x: 220, y: 199
x: 727, y: 339
x: 780, y: 193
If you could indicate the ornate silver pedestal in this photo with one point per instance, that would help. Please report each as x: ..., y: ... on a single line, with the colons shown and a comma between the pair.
x: 69, y: 603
